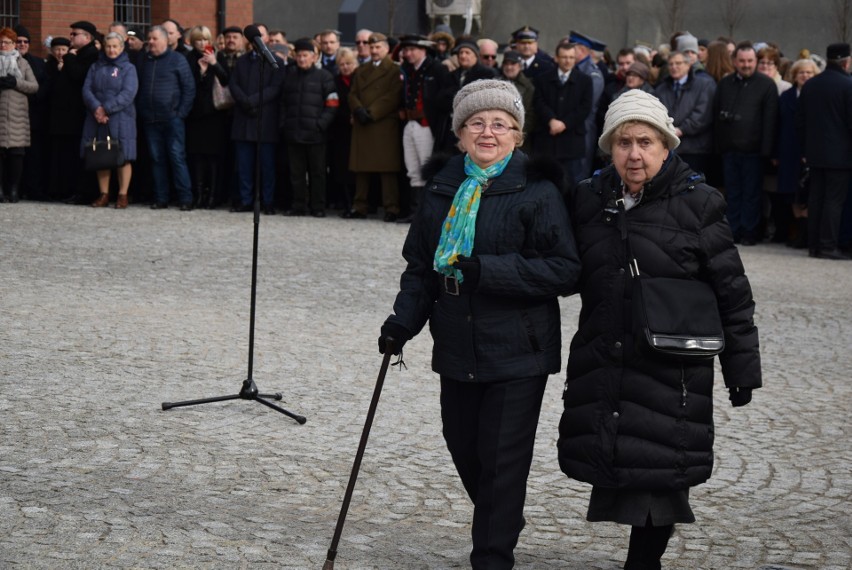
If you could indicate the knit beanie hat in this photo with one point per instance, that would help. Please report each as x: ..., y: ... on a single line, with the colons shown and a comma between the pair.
x: 636, y: 105
x: 487, y: 94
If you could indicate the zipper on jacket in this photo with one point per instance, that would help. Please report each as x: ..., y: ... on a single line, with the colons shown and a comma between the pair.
x: 683, y: 388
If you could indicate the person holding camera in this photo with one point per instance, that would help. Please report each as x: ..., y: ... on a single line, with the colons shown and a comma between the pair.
x: 745, y: 109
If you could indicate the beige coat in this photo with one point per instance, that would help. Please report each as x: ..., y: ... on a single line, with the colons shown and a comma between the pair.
x: 15, y: 109
x: 376, y: 146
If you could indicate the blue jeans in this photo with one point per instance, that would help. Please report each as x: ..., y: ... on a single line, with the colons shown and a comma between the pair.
x: 743, y: 189
x: 167, y: 145
x: 245, y: 154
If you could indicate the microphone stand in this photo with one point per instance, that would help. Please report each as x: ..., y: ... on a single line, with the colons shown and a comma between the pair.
x: 249, y: 389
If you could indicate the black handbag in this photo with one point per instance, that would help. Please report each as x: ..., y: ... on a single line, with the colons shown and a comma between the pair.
x: 672, y: 318
x: 103, y: 154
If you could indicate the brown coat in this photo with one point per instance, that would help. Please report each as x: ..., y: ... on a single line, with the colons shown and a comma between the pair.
x: 376, y: 146
x: 14, y: 109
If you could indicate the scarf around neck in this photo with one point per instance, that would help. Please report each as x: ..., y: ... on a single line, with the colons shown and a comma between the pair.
x: 9, y: 64
x: 459, y: 228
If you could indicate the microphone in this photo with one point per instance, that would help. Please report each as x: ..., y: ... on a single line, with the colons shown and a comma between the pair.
x: 252, y: 34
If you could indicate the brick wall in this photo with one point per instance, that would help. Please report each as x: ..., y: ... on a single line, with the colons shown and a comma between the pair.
x: 51, y: 17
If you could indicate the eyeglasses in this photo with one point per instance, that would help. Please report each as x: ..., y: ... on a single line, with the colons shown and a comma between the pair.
x: 766, y: 63
x: 7, y: 42
x: 497, y: 128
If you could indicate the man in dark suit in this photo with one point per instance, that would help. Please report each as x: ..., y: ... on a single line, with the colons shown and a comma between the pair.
x: 824, y: 123
x: 533, y: 60
x: 563, y: 102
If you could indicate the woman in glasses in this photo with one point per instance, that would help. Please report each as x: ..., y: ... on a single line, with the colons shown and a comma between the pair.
x: 16, y: 82
x: 488, y: 253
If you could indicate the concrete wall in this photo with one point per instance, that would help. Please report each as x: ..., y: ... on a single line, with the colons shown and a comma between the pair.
x: 793, y: 24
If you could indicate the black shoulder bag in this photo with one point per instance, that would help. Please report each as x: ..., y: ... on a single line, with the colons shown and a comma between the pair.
x: 676, y: 319
x: 103, y: 154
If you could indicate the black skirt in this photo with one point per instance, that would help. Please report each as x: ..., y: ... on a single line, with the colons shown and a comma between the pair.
x: 635, y: 507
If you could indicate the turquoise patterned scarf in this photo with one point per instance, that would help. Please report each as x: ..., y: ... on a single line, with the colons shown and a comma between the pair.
x: 459, y: 228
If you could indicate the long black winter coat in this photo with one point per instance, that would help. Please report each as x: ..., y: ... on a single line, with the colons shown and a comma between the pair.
x: 251, y: 98
x: 309, y: 102
x: 509, y: 326
x: 632, y: 422
x: 67, y: 111
x: 570, y: 103
x: 824, y: 119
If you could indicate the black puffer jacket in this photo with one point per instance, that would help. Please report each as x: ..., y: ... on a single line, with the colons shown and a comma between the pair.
x: 509, y: 326
x: 632, y: 422
x: 308, y: 104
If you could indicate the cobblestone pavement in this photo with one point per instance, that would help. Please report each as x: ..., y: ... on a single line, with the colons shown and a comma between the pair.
x: 105, y: 314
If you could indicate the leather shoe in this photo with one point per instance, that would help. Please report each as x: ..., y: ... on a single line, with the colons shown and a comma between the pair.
x: 121, y: 202
x: 159, y: 206
x: 833, y: 254
x: 353, y: 215
x: 294, y: 213
x: 405, y: 220
x: 101, y: 202
x: 318, y: 213
x: 391, y: 217
x: 186, y: 207
x: 242, y: 208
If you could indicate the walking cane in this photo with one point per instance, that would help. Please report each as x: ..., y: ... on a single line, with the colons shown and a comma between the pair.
x: 344, y: 508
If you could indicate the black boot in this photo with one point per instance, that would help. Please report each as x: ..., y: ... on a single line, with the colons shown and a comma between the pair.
x: 800, y: 241
x: 647, y: 546
x: 16, y: 170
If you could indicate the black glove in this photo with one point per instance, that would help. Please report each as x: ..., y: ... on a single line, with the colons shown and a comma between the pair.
x: 8, y: 82
x: 470, y: 268
x: 249, y: 109
x: 363, y: 116
x: 740, y: 396
x: 398, y: 333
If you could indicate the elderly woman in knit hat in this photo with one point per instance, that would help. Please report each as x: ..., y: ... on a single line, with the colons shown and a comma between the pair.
x: 16, y: 82
x: 488, y: 254
x: 639, y: 427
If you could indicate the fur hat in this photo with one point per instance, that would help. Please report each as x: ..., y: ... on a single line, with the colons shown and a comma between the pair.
x: 483, y: 95
x: 636, y: 105
x: 85, y: 25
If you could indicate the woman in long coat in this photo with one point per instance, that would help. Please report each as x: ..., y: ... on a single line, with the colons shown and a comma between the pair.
x: 205, y: 125
x: 639, y: 428
x: 376, y: 144
x: 108, y: 94
x: 16, y: 82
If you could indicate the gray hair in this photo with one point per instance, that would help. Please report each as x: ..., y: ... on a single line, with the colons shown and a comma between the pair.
x: 114, y: 36
x: 160, y: 30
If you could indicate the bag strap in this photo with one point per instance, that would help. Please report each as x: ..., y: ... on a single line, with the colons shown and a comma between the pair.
x: 618, y: 202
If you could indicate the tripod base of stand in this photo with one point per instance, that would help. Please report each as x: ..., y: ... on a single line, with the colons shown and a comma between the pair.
x: 249, y: 391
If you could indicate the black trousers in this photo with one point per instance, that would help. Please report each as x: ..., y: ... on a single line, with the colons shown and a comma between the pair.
x: 490, y: 432
x: 828, y: 190
x: 307, y: 161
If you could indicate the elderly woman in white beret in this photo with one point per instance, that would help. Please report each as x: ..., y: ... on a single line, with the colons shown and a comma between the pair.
x: 488, y: 253
x: 639, y: 426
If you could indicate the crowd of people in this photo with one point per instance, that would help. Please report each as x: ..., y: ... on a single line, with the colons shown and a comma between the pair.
x: 350, y: 128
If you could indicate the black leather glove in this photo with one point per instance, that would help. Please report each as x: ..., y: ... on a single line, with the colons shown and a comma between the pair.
x: 363, y: 116
x: 398, y: 333
x: 740, y: 396
x: 470, y: 268
x: 8, y: 82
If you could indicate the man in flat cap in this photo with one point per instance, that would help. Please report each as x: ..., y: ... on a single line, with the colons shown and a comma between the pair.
x: 534, y: 61
x: 824, y: 122
x: 67, y: 112
x: 585, y: 45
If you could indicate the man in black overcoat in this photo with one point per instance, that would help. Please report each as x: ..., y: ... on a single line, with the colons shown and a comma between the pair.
x: 824, y: 123
x: 563, y: 102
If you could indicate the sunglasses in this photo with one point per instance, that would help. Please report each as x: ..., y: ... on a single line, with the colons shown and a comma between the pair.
x: 489, y: 57
x: 20, y: 41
